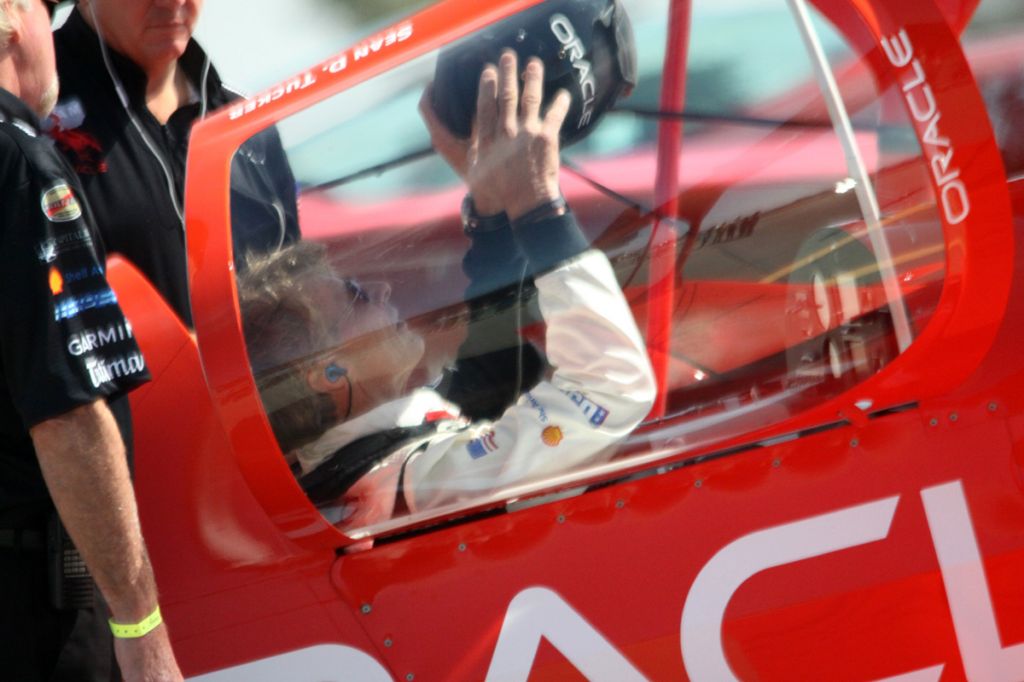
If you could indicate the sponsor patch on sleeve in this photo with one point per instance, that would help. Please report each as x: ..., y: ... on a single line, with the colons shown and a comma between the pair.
x: 67, y: 307
x: 56, y: 282
x: 542, y: 414
x: 109, y: 334
x: 104, y: 370
x: 59, y: 204
x: 478, y: 447
x: 551, y: 436
x: 51, y: 247
x: 591, y: 410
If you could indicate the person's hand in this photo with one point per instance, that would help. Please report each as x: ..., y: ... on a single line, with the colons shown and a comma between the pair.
x: 148, y: 658
x: 513, y: 151
x: 458, y: 152
x: 454, y: 150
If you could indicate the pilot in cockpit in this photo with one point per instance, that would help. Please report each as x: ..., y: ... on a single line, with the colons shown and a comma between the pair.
x: 368, y: 446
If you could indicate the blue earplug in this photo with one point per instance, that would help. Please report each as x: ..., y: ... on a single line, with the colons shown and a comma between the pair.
x: 334, y: 373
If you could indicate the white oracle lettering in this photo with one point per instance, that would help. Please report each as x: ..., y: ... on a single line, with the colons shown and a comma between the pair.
x: 898, y: 49
x: 926, y: 91
x: 940, y: 163
x: 931, y: 133
x: 320, y: 663
x: 565, y: 33
x: 538, y: 612
x: 236, y: 112
x: 955, y: 202
x: 963, y: 574
x: 704, y: 610
x: 583, y: 66
x: 263, y: 100
x: 404, y: 32
x: 360, y: 52
x: 924, y: 109
x: 562, y: 28
x: 918, y: 78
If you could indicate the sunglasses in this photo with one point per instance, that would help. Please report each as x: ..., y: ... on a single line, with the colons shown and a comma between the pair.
x: 359, y: 294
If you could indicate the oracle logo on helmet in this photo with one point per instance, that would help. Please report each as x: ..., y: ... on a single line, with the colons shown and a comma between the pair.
x: 563, y: 30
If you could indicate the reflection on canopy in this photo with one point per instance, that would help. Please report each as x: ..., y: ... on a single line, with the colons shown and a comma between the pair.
x: 786, y: 292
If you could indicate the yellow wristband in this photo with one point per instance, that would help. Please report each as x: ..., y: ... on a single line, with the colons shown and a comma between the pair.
x: 139, y: 629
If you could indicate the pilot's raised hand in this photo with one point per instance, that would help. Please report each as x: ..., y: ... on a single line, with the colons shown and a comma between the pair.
x: 513, y: 151
x: 458, y: 152
x: 453, y: 149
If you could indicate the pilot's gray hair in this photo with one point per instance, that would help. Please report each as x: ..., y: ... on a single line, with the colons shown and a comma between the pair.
x: 285, y: 331
x: 5, y: 18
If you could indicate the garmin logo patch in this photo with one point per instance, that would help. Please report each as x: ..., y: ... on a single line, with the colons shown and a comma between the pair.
x: 572, y: 47
x: 80, y: 344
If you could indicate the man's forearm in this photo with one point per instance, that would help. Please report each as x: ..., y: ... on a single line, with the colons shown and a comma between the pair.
x: 83, y: 461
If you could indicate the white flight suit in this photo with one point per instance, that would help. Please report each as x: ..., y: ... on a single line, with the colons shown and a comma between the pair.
x: 601, y: 387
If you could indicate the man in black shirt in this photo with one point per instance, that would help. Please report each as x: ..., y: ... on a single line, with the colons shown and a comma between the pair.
x: 132, y: 84
x: 65, y: 348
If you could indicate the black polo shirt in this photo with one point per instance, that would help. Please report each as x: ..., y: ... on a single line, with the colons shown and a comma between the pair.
x: 63, y: 339
x: 134, y: 184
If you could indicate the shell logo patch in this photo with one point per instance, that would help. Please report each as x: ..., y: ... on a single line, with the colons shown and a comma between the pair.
x: 56, y: 282
x: 60, y: 205
x: 551, y: 436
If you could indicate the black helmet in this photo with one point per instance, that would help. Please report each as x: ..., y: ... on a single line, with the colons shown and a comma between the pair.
x: 587, y: 48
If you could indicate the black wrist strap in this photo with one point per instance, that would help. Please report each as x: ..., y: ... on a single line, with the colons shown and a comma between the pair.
x: 550, y: 209
x: 474, y: 223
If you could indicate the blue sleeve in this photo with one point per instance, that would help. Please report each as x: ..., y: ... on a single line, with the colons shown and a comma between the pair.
x: 494, y: 365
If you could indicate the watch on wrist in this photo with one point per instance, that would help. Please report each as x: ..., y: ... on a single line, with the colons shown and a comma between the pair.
x: 473, y: 222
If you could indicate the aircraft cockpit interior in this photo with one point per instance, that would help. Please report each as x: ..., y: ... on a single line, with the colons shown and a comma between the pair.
x: 775, y: 230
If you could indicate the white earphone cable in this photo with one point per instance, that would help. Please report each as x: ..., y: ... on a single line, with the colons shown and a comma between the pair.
x: 126, y: 104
